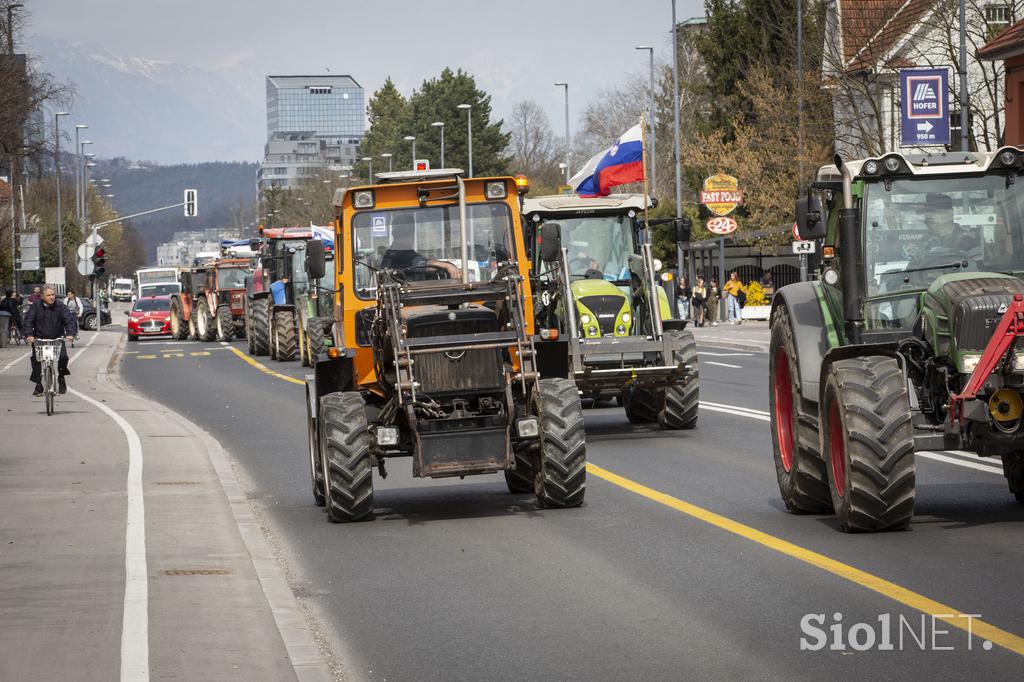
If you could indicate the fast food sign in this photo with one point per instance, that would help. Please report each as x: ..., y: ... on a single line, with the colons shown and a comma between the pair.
x: 721, y: 194
x: 721, y: 225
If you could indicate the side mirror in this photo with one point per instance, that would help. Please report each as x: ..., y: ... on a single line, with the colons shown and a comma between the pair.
x: 254, y: 244
x: 315, y: 259
x: 684, y: 228
x: 809, y: 223
x: 127, y: 312
x: 550, y: 242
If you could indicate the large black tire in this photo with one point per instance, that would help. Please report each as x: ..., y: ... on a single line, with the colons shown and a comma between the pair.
x: 225, y: 324
x: 523, y: 478
x: 316, y: 470
x: 206, y: 324
x: 1013, y: 469
x: 286, y: 336
x: 316, y: 338
x: 303, y: 344
x: 681, y: 400
x: 49, y: 388
x: 247, y: 322
x: 260, y: 325
x: 799, y: 467
x: 179, y: 325
x: 643, y: 405
x: 345, y: 457
x: 868, y: 436
x: 562, y: 481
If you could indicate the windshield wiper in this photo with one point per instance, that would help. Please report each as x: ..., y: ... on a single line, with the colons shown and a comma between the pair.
x: 955, y: 264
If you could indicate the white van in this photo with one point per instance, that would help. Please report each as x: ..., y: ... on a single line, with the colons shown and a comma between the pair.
x: 121, y: 290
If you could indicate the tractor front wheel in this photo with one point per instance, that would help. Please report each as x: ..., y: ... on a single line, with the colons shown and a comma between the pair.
x: 868, y: 442
x: 345, y: 457
x: 563, y: 453
x: 799, y: 468
x: 681, y: 400
x: 643, y: 405
x: 523, y: 478
x: 286, y: 337
x: 225, y: 325
x: 260, y: 325
x: 316, y: 470
x: 1013, y: 469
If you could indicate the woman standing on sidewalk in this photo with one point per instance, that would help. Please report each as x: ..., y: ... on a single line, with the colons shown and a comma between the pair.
x: 700, y: 295
x: 683, y: 294
x: 714, y: 295
x: 733, y: 290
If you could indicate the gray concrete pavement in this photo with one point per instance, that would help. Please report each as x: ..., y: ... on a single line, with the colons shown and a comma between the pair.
x: 751, y: 335
x: 205, y: 598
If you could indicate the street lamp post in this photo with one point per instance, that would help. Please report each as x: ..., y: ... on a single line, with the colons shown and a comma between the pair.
x: 60, y: 216
x: 78, y: 174
x: 676, y: 151
x: 85, y: 185
x: 650, y: 118
x: 566, y: 86
x: 440, y: 124
x: 387, y: 155
x: 369, y: 175
x: 412, y: 138
x: 81, y: 179
x: 469, y: 123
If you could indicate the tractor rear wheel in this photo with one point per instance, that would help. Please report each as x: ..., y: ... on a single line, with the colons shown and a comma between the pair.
x: 286, y: 337
x: 225, y: 325
x: 681, y: 400
x: 260, y: 325
x: 643, y: 405
x: 316, y: 470
x: 345, y: 457
x: 179, y: 326
x: 1013, y: 469
x: 799, y: 467
x: 869, y: 442
x: 563, y: 453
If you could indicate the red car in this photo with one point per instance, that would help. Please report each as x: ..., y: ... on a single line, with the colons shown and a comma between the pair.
x: 149, y: 316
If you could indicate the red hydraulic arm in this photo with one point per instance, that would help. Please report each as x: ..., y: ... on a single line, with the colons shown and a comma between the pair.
x: 1008, y: 329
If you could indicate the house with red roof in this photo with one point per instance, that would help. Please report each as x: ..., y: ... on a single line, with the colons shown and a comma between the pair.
x: 867, y: 42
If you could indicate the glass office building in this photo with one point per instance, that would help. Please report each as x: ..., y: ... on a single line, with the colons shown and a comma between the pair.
x: 313, y: 122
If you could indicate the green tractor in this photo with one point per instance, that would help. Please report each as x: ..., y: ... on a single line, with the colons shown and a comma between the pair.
x: 604, y: 319
x: 906, y: 342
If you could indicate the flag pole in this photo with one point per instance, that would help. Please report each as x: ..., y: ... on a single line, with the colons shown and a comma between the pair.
x: 643, y: 157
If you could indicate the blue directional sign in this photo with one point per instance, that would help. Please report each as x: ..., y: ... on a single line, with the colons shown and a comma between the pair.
x: 924, y: 116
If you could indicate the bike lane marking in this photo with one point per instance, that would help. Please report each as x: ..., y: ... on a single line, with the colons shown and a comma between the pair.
x: 135, y: 616
x: 959, y: 619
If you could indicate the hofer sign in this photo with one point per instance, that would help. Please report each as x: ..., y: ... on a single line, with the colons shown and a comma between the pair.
x: 924, y: 115
x: 721, y: 194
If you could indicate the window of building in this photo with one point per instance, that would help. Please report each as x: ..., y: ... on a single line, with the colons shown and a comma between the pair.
x: 319, y: 89
x: 997, y: 17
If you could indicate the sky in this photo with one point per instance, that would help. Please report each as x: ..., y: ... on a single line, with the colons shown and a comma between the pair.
x: 515, y: 50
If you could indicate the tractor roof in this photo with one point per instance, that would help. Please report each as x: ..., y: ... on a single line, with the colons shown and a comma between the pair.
x: 944, y: 163
x: 561, y: 203
x: 287, y: 233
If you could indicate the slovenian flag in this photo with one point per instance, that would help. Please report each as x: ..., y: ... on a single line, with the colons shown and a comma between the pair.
x: 622, y: 163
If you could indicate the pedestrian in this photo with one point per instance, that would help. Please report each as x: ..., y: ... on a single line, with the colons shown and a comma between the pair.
x: 9, y: 305
x: 683, y: 294
x: 700, y: 295
x: 35, y: 295
x: 734, y: 291
x: 49, y: 318
x: 73, y: 303
x: 767, y: 285
x: 714, y: 296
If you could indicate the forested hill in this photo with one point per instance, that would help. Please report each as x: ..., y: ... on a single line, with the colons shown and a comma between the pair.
x: 227, y: 195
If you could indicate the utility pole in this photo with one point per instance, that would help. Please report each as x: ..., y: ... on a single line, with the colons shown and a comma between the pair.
x: 18, y: 132
x: 800, y: 114
x: 60, y: 215
x: 567, y: 171
x: 681, y: 268
x: 965, y: 97
x: 650, y: 120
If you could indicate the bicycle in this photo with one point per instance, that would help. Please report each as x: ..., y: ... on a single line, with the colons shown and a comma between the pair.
x: 47, y: 354
x: 14, y: 334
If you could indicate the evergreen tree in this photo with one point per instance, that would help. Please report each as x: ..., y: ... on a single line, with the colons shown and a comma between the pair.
x: 388, y: 113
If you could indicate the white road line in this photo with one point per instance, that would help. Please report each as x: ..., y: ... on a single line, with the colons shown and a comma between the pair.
x: 722, y: 364
x: 14, y: 362
x: 725, y: 355
x: 135, y: 617
x: 760, y: 415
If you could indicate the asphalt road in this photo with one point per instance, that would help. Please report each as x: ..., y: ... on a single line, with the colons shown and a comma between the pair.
x: 461, y: 580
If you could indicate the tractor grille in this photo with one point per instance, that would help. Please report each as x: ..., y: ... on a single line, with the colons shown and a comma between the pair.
x: 606, y: 308
x: 466, y: 370
x: 976, y: 304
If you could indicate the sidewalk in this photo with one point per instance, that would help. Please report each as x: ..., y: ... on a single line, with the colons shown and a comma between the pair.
x: 86, y: 590
x: 752, y: 335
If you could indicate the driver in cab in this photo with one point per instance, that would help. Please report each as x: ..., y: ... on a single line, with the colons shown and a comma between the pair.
x: 944, y: 235
x: 402, y: 255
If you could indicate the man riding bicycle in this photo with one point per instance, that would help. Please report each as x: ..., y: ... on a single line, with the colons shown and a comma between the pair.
x: 49, y: 318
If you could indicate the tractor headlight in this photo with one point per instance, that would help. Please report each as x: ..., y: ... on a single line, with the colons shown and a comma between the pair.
x: 620, y: 330
x: 1018, y: 363
x: 1007, y: 158
x: 496, y: 190
x: 387, y: 435
x: 585, y: 319
x: 528, y: 427
x: 626, y: 317
x: 871, y: 167
x: 969, y: 362
x: 657, y: 264
x: 592, y: 331
x: 363, y: 199
x: 892, y: 164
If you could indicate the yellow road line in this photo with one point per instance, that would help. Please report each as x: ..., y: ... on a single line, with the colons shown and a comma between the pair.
x: 266, y: 370
x: 146, y: 357
x: 199, y: 352
x: 939, y: 611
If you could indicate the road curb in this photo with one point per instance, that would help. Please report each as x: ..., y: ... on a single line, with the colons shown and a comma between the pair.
x: 306, y: 657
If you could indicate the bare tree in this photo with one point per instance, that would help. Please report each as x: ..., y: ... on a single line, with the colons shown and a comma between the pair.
x: 535, y: 148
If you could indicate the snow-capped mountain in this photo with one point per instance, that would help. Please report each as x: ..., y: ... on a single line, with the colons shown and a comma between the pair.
x: 160, y: 111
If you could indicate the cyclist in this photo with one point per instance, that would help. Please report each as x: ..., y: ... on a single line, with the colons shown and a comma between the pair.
x: 49, y: 318
x: 9, y: 304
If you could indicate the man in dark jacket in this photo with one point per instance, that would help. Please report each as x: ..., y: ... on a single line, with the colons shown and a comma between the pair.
x: 9, y: 304
x: 49, y: 318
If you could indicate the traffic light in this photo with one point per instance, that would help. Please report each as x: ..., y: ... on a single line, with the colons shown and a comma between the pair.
x: 99, y: 262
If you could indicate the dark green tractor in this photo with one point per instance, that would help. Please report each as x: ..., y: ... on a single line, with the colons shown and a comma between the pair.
x: 907, y: 340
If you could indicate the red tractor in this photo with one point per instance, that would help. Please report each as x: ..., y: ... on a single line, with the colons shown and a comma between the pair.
x: 211, y: 305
